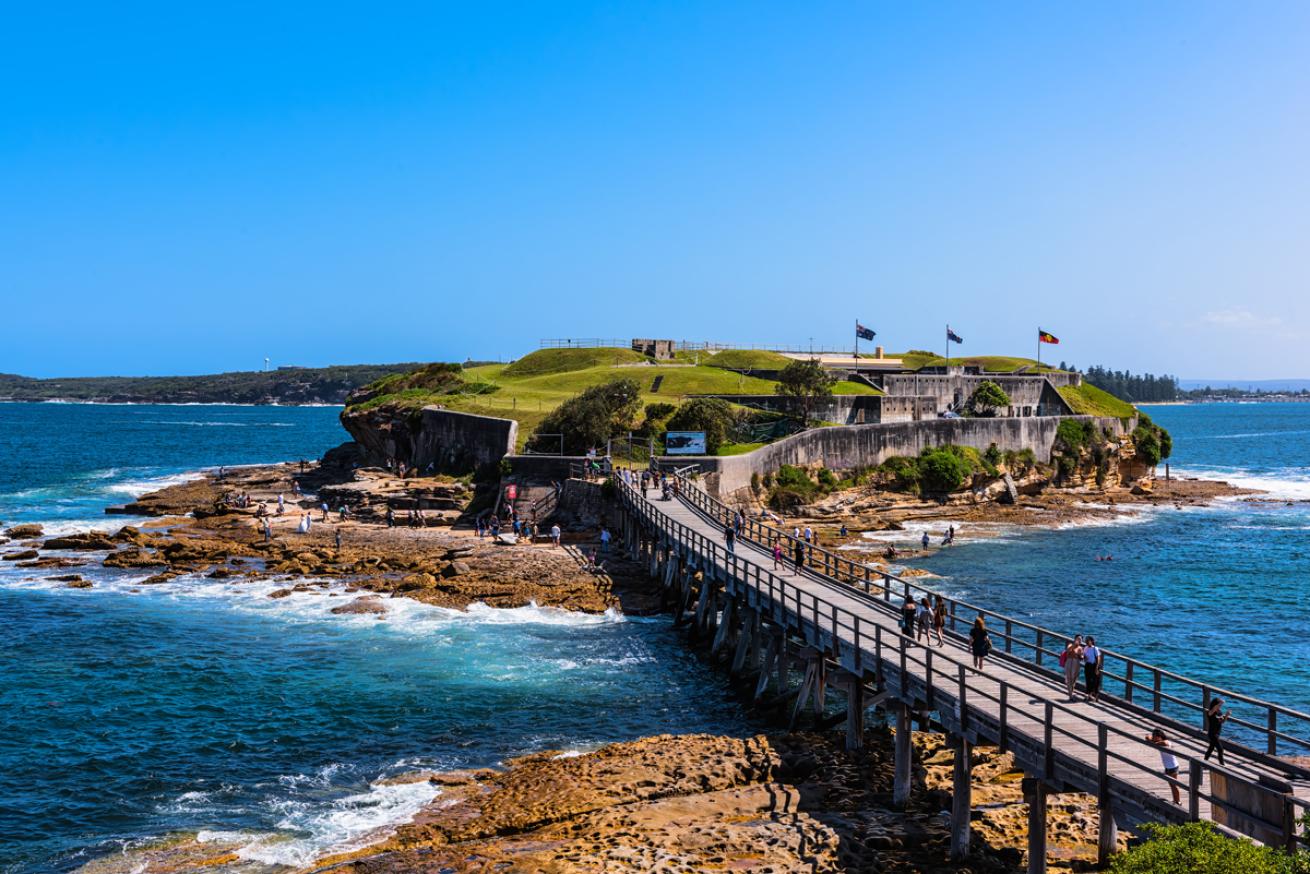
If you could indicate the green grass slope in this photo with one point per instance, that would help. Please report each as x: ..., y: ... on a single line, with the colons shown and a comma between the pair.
x: 565, y: 360
x: 1088, y: 400
x: 747, y: 359
x: 917, y: 359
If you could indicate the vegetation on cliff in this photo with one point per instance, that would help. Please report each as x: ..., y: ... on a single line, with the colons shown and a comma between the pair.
x: 293, y: 385
x: 1088, y: 400
x: 1196, y: 848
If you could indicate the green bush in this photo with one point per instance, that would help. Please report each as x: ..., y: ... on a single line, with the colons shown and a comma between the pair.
x: 1023, y: 459
x: 660, y: 410
x: 941, y: 470
x: 591, y: 418
x: 1073, y: 435
x: 1196, y: 848
x: 827, y: 479
x: 993, y: 455
x: 714, y: 416
x: 986, y: 399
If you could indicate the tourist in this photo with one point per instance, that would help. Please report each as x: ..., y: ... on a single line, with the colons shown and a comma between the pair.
x: 338, y: 538
x: 533, y: 534
x: 939, y: 619
x: 923, y: 618
x: 1092, y: 659
x: 281, y: 504
x: 604, y: 539
x: 924, y: 540
x: 268, y: 531
x: 980, y: 643
x: 738, y: 521
x: 843, y: 529
x: 324, y: 507
x: 1214, y: 726
x: 889, y: 552
x: 908, y: 613
x: 729, y: 538
x: 950, y: 534
x: 809, y: 535
x: 1071, y: 659
x: 1167, y: 760
x: 777, y: 555
x: 798, y: 555
x: 391, y: 517
x: 495, y: 526
x: 645, y: 483
x: 554, y: 535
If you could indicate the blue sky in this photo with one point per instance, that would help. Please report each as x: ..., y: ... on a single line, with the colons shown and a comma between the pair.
x: 188, y: 188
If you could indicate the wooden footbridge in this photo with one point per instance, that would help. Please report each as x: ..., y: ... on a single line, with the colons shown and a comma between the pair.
x: 838, y: 619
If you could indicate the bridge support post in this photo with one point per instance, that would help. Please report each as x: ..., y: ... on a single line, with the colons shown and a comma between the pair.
x: 1034, y: 793
x: 725, y: 626
x: 1107, y: 835
x: 745, y: 634
x: 903, y: 754
x: 854, y: 713
x: 961, y: 797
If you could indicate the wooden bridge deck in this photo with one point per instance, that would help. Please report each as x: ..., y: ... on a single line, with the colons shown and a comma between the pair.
x: 1098, y: 748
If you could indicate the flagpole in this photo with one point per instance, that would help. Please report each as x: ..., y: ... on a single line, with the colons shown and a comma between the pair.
x: 1039, y: 349
x: 857, y: 341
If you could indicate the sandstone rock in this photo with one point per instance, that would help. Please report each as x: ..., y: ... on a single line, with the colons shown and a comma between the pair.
x: 79, y: 583
x: 134, y: 557
x: 21, y: 555
x: 456, y: 569
x: 18, y: 532
x: 279, y: 593
x: 52, y: 561
x: 87, y: 540
x: 364, y: 605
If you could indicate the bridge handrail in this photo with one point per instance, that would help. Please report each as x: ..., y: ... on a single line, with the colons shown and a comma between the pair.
x: 832, y: 565
x: 806, y: 609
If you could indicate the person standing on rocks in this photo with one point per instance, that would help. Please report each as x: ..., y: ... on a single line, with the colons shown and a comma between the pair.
x: 391, y: 517
x: 554, y: 535
x: 604, y: 539
x: 338, y: 538
x: 925, y: 540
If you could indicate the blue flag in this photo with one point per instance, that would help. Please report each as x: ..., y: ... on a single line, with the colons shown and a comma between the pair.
x: 864, y: 333
x: 952, y: 337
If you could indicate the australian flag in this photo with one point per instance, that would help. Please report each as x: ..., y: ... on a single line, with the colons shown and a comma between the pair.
x: 863, y: 333
x: 952, y: 337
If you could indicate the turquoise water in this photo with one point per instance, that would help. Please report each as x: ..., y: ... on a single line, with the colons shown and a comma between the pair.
x: 131, y: 712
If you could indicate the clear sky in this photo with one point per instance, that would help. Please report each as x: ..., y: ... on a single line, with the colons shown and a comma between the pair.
x: 186, y: 188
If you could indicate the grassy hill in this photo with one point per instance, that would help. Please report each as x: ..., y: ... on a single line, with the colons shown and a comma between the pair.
x: 297, y: 385
x: 1088, y: 400
x: 534, y: 385
x: 917, y: 359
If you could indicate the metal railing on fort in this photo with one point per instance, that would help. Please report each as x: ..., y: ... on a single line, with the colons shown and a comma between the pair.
x: 1129, y: 681
x: 900, y: 660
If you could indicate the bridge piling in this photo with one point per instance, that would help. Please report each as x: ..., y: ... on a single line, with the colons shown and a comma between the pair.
x: 1035, y: 794
x: 961, y: 796
x: 854, y: 686
x: 904, y: 752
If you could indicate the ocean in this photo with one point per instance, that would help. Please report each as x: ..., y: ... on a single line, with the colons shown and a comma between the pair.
x: 128, y: 713
x: 131, y: 712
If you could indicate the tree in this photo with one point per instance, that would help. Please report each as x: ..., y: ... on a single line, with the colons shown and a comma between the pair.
x: 986, y: 399
x: 588, y: 420
x: 806, y: 381
x: 941, y: 470
x: 714, y: 416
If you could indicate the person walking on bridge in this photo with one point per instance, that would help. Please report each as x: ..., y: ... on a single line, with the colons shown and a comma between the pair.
x: 798, y: 555
x: 1214, y: 726
x: 925, y: 621
x: 939, y: 618
x: 980, y: 643
x: 1092, y: 659
x: 908, y: 614
x: 729, y: 538
x: 777, y: 556
x: 1071, y: 660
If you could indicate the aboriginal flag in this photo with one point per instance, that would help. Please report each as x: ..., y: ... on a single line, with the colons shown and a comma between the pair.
x: 1047, y: 337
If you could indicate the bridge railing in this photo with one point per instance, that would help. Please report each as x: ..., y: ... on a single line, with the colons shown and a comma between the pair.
x: 1182, y: 700
x: 944, y: 675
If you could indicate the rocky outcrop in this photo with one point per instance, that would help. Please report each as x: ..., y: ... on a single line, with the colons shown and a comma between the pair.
x: 430, y: 439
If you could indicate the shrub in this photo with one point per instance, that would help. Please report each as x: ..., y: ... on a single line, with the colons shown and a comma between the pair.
x: 986, y: 398
x: 1196, y: 848
x: 941, y: 470
x: 1073, y: 435
x: 591, y: 418
x: 827, y: 479
x: 1023, y: 459
x: 1148, y: 445
x: 993, y: 455
x: 714, y: 416
x: 660, y: 410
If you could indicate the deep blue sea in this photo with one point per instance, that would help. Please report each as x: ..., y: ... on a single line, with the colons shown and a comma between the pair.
x: 128, y: 713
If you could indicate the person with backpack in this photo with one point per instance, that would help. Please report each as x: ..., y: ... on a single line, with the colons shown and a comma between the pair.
x: 1071, y: 659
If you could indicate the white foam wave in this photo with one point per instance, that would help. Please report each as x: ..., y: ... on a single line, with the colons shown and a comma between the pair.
x: 1290, y: 483
x: 136, y: 488
x: 203, y: 424
x: 312, y: 830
